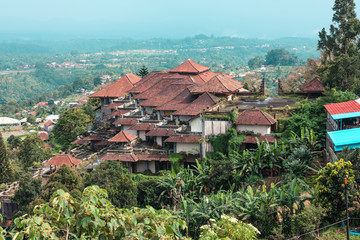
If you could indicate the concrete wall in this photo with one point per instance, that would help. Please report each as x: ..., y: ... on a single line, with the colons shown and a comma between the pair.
x: 188, y: 147
x: 142, y: 135
x: 126, y: 129
x: 159, y: 141
x: 142, y: 166
x: 213, y: 127
x: 196, y: 124
x: 261, y: 129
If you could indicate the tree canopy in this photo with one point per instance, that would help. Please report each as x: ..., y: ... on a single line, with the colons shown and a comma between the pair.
x: 280, y: 57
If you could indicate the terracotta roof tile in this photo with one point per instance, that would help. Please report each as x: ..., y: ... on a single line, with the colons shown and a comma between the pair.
x: 118, y: 113
x: 93, y: 137
x: 343, y: 107
x: 160, y: 132
x: 179, y: 102
x: 153, y: 157
x: 44, y: 135
x: 63, y: 159
x: 160, y: 86
x: 119, y: 157
x: 184, y: 138
x: 48, y: 123
x: 204, y: 101
x: 113, y: 105
x: 252, y: 139
x: 123, y: 137
x: 118, y: 88
x: 148, y: 81
x: 142, y: 127
x: 125, y: 121
x: 254, y: 117
x: 189, y: 66
x: 79, y: 142
x: 166, y: 95
x: 314, y: 86
x: 102, y: 143
x: 220, y: 85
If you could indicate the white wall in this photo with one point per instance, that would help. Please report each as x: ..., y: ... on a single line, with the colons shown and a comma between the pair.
x: 213, y: 127
x: 126, y: 129
x: 159, y: 141
x: 196, y: 124
x: 142, y: 135
x: 261, y: 129
x: 188, y: 147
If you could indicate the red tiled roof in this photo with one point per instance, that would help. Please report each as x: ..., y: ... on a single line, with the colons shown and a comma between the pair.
x: 41, y: 104
x: 142, y: 127
x: 125, y: 121
x: 254, y: 117
x: 118, y: 88
x: 33, y: 113
x: 160, y: 86
x: 63, y: 159
x: 204, y: 101
x: 168, y: 93
x: 118, y: 113
x: 314, y: 86
x: 220, y: 85
x: 189, y: 66
x: 148, y: 81
x: 343, y: 107
x: 252, y: 139
x: 43, y: 135
x: 48, y: 123
x: 93, y: 138
x: 119, y: 157
x: 113, y: 105
x: 184, y: 138
x: 153, y: 157
x: 48, y: 145
x: 79, y: 142
x: 123, y: 137
x: 179, y: 102
x: 160, y: 132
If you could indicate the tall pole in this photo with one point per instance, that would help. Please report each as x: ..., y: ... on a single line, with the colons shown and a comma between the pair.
x: 347, y: 210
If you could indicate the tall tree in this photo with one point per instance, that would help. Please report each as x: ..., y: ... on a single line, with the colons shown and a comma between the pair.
x: 31, y: 150
x: 341, y: 47
x: 143, y: 71
x: 71, y: 123
x: 6, y: 171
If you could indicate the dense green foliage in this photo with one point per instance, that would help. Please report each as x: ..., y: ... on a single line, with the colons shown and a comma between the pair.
x: 71, y: 124
x: 329, y: 191
x: 29, y: 189
x: 6, y: 172
x: 341, y: 48
x: 280, y: 57
x: 256, y: 62
x: 32, y: 150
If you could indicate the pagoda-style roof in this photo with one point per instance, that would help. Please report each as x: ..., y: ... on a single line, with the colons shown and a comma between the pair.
x: 254, y: 117
x: 63, y: 159
x: 314, y: 86
x: 166, y: 95
x: 118, y: 88
x: 118, y: 113
x: 181, y: 101
x: 204, y: 101
x: 189, y: 66
x: 184, y: 138
x: 123, y: 137
x: 220, y: 85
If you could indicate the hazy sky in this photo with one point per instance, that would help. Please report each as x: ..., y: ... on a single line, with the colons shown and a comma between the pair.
x: 144, y: 19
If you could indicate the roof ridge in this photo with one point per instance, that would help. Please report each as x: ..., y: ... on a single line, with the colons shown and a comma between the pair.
x: 190, y: 61
x: 266, y: 116
x: 221, y: 82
